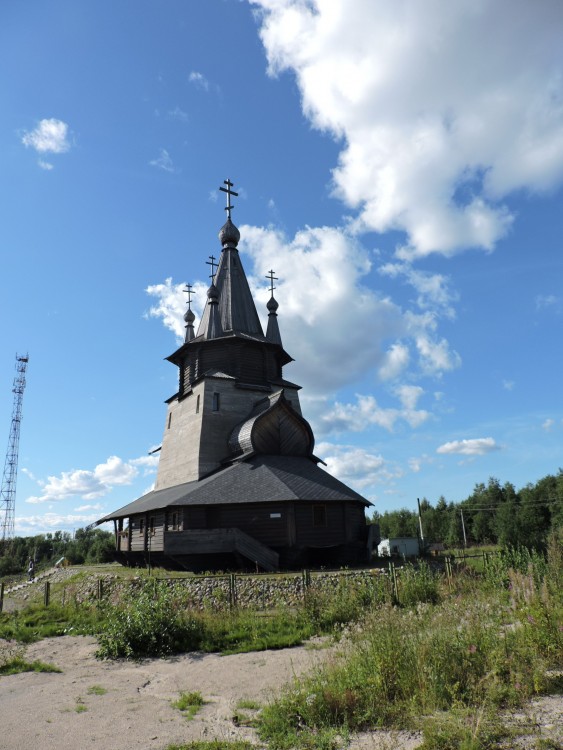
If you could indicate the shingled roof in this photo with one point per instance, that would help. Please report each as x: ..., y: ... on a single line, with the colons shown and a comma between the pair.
x: 261, y: 479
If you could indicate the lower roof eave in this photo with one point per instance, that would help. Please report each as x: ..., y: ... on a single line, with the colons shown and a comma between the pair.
x: 258, y: 479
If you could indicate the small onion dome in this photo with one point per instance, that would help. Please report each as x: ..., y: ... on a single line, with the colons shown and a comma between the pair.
x: 272, y: 305
x: 213, y: 293
x: 189, y: 317
x: 229, y: 234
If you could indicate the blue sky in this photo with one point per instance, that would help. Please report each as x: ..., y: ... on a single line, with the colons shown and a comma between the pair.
x: 399, y: 165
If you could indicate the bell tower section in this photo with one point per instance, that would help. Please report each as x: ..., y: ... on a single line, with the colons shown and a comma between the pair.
x: 225, y: 369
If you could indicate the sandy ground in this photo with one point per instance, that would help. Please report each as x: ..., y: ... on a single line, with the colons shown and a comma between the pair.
x: 51, y: 711
x: 39, y: 710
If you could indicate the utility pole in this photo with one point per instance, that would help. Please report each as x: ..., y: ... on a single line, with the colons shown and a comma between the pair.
x: 9, y: 477
x: 463, y: 529
x: 420, y: 524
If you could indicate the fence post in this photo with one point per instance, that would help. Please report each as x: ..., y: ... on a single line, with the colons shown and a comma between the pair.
x: 1, y: 596
x: 232, y: 590
x: 47, y: 594
x: 449, y: 571
x: 394, y: 584
x: 100, y: 589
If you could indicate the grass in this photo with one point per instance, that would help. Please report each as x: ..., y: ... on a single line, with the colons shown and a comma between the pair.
x: 460, y: 729
x: 242, y: 719
x: 248, y: 704
x: 459, y: 662
x: 189, y: 704
x: 214, y: 745
x: 37, y: 621
x: 158, y: 620
x: 17, y: 664
x: 457, y: 652
x: 96, y: 690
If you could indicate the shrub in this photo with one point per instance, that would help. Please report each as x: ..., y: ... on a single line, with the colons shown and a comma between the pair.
x: 152, y: 623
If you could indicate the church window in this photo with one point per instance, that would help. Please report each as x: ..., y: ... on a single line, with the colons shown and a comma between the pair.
x: 152, y: 525
x: 197, y: 405
x: 216, y: 402
x: 169, y: 420
x: 319, y: 515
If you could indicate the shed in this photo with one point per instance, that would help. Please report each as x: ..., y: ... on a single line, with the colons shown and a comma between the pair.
x: 403, y: 546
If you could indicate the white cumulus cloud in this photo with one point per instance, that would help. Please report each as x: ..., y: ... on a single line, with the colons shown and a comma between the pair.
x: 171, y: 305
x: 49, y: 136
x: 332, y: 323
x: 366, y: 412
x: 91, y: 484
x: 355, y: 466
x: 442, y: 109
x: 31, y: 525
x: 471, y: 447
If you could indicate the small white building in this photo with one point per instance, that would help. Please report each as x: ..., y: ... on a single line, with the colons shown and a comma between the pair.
x: 401, y: 546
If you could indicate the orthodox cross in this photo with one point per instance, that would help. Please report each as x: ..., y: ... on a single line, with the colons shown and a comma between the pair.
x: 212, y: 263
x: 189, y: 291
x: 270, y: 275
x: 229, y: 192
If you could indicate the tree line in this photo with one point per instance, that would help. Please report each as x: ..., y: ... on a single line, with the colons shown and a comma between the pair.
x: 85, y: 546
x: 492, y: 514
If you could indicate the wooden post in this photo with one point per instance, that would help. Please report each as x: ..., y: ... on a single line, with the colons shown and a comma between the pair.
x: 232, y: 590
x: 420, y: 526
x: 100, y: 592
x: 448, y: 564
x: 1, y: 596
x: 463, y: 529
x: 47, y: 594
x: 394, y: 583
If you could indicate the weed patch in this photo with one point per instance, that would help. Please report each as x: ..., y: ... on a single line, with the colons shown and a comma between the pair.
x: 248, y: 704
x: 18, y: 664
x: 214, y: 745
x: 37, y: 621
x: 96, y: 690
x: 189, y: 704
x: 458, y: 661
x: 153, y: 623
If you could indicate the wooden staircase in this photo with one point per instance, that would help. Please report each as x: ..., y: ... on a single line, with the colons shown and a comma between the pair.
x: 258, y: 553
x: 217, y: 541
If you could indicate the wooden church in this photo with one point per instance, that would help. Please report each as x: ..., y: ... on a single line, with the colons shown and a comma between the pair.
x: 238, y: 485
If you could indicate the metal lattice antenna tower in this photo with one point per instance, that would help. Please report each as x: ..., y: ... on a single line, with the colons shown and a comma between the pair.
x: 8, y: 491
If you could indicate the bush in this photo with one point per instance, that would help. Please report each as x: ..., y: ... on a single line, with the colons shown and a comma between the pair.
x: 153, y: 623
